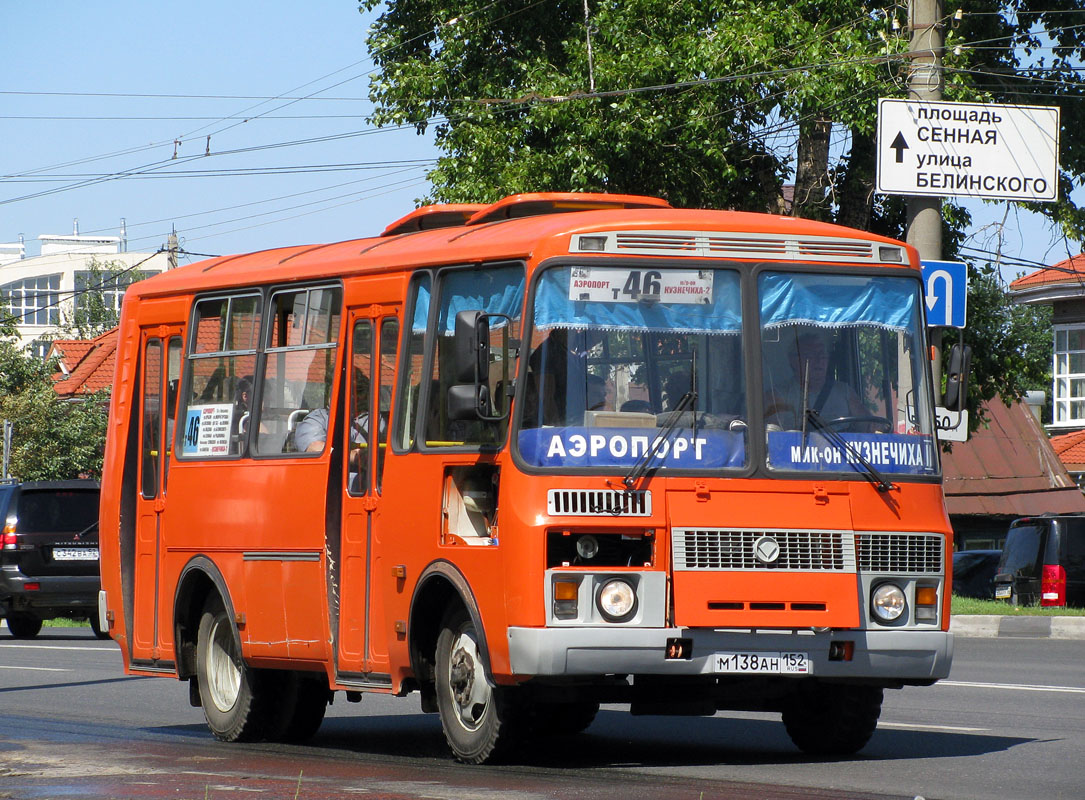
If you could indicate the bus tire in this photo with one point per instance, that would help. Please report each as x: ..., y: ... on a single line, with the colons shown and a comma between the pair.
x: 303, y: 702
x: 480, y: 721
x: 563, y: 719
x: 832, y: 719
x: 97, y: 628
x: 233, y: 695
x: 24, y: 626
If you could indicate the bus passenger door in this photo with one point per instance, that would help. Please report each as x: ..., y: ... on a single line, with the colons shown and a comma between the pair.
x: 160, y: 375
x: 363, y: 651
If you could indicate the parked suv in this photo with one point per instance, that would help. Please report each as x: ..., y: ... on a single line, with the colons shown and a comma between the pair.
x: 1043, y: 561
x: 48, y: 554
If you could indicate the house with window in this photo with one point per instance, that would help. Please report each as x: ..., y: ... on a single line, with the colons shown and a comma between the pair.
x: 42, y: 291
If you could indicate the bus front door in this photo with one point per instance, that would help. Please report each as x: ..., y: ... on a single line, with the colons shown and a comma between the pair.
x: 362, y: 651
x: 160, y: 376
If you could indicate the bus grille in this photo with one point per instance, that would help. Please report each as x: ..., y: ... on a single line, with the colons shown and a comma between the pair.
x: 596, y: 503
x: 900, y: 552
x: 716, y: 244
x: 808, y: 551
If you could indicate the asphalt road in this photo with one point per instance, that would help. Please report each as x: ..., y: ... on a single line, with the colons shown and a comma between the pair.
x: 1008, y: 724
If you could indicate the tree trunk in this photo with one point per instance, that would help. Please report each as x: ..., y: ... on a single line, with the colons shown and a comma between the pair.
x: 855, y: 193
x: 812, y: 170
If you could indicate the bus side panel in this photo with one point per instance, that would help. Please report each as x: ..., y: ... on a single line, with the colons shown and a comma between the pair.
x: 266, y: 535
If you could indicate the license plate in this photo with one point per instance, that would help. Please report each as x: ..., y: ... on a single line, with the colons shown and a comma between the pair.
x: 1002, y: 592
x: 764, y: 663
x: 75, y: 554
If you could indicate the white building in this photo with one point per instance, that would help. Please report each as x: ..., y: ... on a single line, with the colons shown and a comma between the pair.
x: 44, y: 290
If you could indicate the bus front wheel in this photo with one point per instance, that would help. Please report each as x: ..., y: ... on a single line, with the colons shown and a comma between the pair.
x: 832, y: 719
x: 233, y: 704
x: 480, y: 721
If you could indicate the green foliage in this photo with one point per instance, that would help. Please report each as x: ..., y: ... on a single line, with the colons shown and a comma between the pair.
x: 94, y: 311
x: 54, y: 439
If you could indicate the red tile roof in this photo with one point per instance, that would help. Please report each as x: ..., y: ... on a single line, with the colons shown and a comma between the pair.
x: 89, y: 364
x: 1008, y: 469
x: 1072, y: 270
x: 1070, y: 448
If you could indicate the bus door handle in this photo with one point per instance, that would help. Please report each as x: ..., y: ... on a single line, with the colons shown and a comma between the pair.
x: 159, y: 504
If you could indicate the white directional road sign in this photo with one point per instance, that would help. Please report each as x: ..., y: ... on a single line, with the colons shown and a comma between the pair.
x: 968, y: 150
x: 945, y: 288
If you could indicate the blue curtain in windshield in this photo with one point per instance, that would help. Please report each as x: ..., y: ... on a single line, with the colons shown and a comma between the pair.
x: 495, y: 291
x: 421, y: 308
x: 723, y: 314
x: 789, y: 298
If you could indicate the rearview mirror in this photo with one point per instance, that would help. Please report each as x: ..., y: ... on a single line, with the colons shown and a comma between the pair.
x: 957, y: 368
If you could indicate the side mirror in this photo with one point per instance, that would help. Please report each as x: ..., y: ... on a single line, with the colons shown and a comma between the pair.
x: 471, y: 350
x: 469, y: 401
x: 957, y: 367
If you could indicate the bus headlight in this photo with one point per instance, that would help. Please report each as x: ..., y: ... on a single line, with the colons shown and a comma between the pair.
x: 887, y: 602
x: 617, y: 600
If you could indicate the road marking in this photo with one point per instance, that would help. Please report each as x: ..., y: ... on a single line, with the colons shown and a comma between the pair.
x: 36, y: 669
x: 59, y: 647
x: 916, y: 727
x: 1019, y: 687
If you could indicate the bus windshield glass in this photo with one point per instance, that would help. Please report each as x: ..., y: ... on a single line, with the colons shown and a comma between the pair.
x: 844, y: 377
x: 619, y: 355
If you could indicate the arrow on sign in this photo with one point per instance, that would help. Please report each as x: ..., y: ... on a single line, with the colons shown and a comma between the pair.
x: 900, y: 146
x: 932, y: 295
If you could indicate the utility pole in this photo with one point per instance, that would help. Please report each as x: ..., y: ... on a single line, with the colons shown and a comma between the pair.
x: 925, y: 84
x: 171, y: 250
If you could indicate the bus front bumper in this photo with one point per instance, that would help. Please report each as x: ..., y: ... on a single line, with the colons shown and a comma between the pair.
x: 905, y: 655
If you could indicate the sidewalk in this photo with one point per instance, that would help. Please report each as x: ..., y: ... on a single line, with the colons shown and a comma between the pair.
x: 981, y: 626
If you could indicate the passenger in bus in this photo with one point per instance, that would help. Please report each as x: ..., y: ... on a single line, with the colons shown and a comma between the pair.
x: 596, y: 391
x: 637, y: 406
x: 312, y: 432
x: 812, y: 387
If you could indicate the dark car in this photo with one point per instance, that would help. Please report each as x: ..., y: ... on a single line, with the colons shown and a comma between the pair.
x: 1043, y: 561
x: 48, y: 554
x: 974, y: 573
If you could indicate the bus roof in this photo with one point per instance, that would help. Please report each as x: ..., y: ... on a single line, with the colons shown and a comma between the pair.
x: 468, y: 233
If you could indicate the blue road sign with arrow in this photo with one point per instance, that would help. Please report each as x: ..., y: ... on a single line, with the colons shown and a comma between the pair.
x: 945, y: 287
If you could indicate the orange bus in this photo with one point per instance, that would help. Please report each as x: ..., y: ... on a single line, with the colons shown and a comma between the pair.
x: 527, y: 458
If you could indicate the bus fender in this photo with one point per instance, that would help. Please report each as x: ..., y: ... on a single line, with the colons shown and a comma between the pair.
x: 198, y: 578
x: 433, y: 593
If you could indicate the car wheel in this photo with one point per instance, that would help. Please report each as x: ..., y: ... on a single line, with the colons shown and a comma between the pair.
x: 97, y: 628
x: 480, y: 721
x: 832, y: 719
x: 24, y: 626
x: 236, y: 699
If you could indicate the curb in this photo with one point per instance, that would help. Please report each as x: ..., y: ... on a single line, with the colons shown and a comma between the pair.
x: 993, y: 626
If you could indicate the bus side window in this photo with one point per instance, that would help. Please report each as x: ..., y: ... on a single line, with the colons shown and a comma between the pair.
x: 220, y: 365
x: 410, y: 377
x: 298, y: 368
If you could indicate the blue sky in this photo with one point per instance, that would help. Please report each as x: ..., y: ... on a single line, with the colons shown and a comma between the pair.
x: 73, y: 111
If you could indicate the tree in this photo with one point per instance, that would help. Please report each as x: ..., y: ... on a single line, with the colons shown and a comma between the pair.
x: 715, y: 103
x: 53, y: 439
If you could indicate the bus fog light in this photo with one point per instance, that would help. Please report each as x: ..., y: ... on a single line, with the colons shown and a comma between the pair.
x: 617, y: 600
x: 887, y: 602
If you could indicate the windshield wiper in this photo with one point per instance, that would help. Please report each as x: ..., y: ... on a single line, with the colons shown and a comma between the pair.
x: 641, y: 467
x: 882, y: 483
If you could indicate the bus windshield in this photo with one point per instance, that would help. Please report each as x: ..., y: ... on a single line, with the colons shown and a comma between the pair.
x: 617, y: 353
x: 843, y: 376
x: 633, y: 363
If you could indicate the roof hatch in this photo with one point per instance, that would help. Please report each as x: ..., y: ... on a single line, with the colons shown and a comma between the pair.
x: 448, y: 215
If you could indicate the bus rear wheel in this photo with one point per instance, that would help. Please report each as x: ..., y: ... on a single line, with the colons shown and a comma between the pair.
x: 832, y: 719
x: 480, y: 721
x: 234, y: 696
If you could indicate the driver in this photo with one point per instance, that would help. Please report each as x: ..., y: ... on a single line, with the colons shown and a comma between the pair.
x: 830, y: 398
